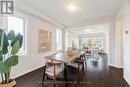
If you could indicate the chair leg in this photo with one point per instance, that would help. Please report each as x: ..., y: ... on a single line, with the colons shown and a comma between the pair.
x: 85, y: 63
x: 43, y: 77
x: 43, y: 80
x: 54, y: 82
x: 83, y: 69
x: 79, y: 77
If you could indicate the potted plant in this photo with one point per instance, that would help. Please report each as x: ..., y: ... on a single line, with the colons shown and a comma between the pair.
x: 10, y: 44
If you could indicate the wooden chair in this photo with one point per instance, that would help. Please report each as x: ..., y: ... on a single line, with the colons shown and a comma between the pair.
x: 52, y: 70
x: 78, y: 64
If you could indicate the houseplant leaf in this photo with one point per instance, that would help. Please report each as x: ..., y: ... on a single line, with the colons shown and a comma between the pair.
x: 6, y: 62
x: 11, y: 35
x: 5, y: 42
x: 3, y: 68
x: 1, y: 45
x: 1, y: 55
x: 12, y: 61
x: 15, y: 48
x: 18, y: 37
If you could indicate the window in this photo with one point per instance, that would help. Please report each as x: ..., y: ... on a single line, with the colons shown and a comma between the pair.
x: 58, y: 39
x: 93, y: 41
x: 18, y: 25
x: 66, y: 40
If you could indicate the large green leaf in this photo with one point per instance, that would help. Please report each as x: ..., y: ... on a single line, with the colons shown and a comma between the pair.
x: 1, y: 55
x: 1, y: 40
x: 12, y: 61
x: 5, y: 42
x: 3, y: 68
x: 11, y: 35
x: 1, y: 37
x: 18, y: 37
x: 15, y: 48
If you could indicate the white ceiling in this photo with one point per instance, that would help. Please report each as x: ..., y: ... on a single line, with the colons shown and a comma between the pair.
x: 99, y: 28
x: 89, y: 10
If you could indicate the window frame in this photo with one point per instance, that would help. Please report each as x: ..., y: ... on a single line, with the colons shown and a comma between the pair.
x: 24, y: 52
x: 59, y: 42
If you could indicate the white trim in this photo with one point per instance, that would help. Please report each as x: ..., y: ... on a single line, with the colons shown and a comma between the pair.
x: 111, y: 65
x: 118, y: 66
x: 125, y: 77
x: 114, y: 66
x: 25, y: 72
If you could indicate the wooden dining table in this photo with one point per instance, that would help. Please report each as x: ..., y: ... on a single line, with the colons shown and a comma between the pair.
x: 64, y: 58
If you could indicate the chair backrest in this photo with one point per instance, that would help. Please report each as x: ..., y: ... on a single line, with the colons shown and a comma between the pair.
x: 54, y: 64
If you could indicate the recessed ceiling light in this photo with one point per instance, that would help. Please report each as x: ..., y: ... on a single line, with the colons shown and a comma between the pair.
x: 88, y: 30
x: 72, y: 7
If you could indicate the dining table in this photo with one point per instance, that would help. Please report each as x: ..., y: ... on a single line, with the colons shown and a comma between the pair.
x: 64, y: 58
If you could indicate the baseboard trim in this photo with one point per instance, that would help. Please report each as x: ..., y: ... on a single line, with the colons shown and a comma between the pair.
x: 115, y: 66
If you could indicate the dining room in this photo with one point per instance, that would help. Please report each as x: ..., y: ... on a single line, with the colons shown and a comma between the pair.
x: 64, y: 43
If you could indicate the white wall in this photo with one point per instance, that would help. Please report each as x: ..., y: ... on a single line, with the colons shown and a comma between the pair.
x: 125, y: 14
x: 119, y: 43
x: 63, y: 39
x: 1, y: 22
x: 127, y: 41
x: 111, y: 32
x: 33, y: 60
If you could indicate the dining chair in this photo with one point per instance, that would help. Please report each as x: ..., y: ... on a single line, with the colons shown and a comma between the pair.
x: 52, y: 70
x: 78, y: 64
x: 81, y: 61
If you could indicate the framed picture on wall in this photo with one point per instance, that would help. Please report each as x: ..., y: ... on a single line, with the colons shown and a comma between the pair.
x: 44, y: 41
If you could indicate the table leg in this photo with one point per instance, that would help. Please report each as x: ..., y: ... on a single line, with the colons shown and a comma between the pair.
x: 65, y: 74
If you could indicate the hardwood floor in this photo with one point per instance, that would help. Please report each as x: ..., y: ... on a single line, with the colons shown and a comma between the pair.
x: 97, y: 74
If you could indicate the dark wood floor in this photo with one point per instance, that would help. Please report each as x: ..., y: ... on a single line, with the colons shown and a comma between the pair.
x: 97, y: 74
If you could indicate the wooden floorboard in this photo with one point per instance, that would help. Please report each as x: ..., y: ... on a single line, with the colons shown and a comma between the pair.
x: 97, y: 74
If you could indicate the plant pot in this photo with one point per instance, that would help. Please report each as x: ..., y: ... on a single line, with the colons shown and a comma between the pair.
x: 11, y: 84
